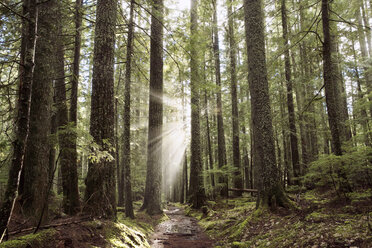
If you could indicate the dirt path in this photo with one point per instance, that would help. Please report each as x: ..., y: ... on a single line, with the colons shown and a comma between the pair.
x: 180, y: 231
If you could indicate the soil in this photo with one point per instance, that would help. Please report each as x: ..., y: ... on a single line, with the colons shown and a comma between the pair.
x: 180, y: 231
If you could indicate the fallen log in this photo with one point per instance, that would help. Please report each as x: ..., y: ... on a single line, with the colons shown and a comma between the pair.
x: 244, y: 190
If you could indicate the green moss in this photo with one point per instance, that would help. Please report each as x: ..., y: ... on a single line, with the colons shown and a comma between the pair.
x: 40, y: 240
x: 143, y: 227
x: 317, y: 216
x: 120, y: 235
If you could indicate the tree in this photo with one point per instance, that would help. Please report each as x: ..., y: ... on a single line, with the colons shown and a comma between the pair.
x: 29, y: 30
x: 152, y: 201
x: 126, y: 136
x: 332, y: 87
x: 238, y: 183
x: 71, y: 202
x: 222, y: 179
x: 74, y: 191
x: 290, y: 104
x: 100, y: 192
x: 36, y: 172
x: 270, y: 192
x: 197, y: 193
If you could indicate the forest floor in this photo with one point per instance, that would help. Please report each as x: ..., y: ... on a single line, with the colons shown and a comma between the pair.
x: 321, y: 220
x: 179, y: 231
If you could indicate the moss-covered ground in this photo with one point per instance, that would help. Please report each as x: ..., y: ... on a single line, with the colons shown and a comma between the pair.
x: 321, y: 221
x: 71, y: 232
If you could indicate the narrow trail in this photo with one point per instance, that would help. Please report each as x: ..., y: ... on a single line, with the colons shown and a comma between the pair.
x: 180, y: 231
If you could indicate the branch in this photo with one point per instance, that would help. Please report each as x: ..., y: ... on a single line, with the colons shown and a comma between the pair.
x: 14, y: 12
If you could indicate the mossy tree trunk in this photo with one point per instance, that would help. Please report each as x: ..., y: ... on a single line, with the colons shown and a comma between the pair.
x: 71, y: 201
x: 270, y: 192
x: 152, y: 201
x: 332, y: 87
x: 197, y: 193
x: 26, y: 70
x: 35, y: 186
x: 100, y: 194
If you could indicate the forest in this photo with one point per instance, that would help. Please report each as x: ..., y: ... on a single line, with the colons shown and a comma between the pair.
x: 197, y: 123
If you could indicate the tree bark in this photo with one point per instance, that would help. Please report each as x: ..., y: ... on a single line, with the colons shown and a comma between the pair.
x: 72, y: 140
x: 152, y: 201
x: 100, y: 193
x: 209, y: 142
x: 360, y: 95
x: 126, y: 135
x: 363, y: 49
x: 238, y: 182
x: 222, y: 179
x: 290, y: 105
x: 26, y: 70
x: 71, y: 202
x: 197, y: 193
x: 332, y: 89
x: 270, y: 192
x: 36, y: 168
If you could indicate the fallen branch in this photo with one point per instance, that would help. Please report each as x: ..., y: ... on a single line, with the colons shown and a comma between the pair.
x: 244, y: 190
x: 51, y: 225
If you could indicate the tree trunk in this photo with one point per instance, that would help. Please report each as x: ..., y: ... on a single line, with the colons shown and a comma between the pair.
x: 332, y: 87
x: 367, y: 27
x: 222, y: 179
x: 100, y: 194
x: 360, y: 95
x: 73, y: 177
x: 197, y: 194
x: 290, y: 105
x: 152, y: 201
x: 29, y: 30
x: 238, y: 182
x: 71, y: 202
x: 209, y: 142
x: 126, y: 135
x: 270, y: 192
x: 36, y: 168
x: 363, y: 49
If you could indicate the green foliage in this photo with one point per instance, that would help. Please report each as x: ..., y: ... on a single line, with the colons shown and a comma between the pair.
x: 354, y: 168
x: 41, y: 240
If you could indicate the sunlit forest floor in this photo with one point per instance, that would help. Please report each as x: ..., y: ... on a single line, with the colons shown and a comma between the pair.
x: 322, y: 220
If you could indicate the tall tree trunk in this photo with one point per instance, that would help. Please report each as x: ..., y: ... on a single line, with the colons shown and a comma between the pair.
x: 209, y: 142
x: 360, y: 95
x: 29, y: 30
x: 222, y: 179
x: 367, y: 26
x: 152, y: 201
x: 73, y: 177
x: 100, y: 193
x: 36, y: 168
x: 270, y: 191
x: 126, y: 135
x: 197, y: 193
x: 71, y: 202
x: 332, y: 87
x: 363, y: 49
x: 238, y: 182
x: 118, y: 164
x: 290, y: 105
